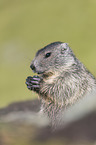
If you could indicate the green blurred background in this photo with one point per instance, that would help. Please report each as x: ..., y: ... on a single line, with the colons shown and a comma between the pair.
x: 28, y: 25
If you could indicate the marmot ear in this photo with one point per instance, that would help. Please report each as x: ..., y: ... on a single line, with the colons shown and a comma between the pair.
x: 64, y: 46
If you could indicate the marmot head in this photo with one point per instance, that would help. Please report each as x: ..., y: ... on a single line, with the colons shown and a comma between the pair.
x: 52, y: 58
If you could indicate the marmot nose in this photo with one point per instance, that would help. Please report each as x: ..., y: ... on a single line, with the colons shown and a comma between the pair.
x: 32, y: 67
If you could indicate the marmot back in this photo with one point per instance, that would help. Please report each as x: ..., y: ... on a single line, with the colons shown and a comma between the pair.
x: 62, y: 79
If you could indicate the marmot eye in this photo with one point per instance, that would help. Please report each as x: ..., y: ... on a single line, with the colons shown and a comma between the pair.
x: 47, y: 54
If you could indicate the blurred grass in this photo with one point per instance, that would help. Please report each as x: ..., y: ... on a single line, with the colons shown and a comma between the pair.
x: 28, y: 25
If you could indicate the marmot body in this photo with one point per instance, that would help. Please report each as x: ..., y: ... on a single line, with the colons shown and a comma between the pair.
x: 62, y: 79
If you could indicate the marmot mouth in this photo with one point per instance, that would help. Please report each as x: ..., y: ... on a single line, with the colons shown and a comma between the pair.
x: 39, y: 72
x: 44, y: 74
x: 47, y: 74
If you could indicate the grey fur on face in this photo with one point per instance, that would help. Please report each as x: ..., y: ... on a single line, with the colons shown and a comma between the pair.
x: 60, y: 56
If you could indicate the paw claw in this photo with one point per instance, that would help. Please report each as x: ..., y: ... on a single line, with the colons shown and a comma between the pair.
x: 33, y: 83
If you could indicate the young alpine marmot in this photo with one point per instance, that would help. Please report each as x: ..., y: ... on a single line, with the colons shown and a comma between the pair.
x: 61, y: 81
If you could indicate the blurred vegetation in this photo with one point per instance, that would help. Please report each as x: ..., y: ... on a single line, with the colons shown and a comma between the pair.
x: 28, y: 25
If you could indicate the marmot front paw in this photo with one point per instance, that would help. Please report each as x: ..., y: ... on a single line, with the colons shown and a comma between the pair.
x: 33, y: 83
